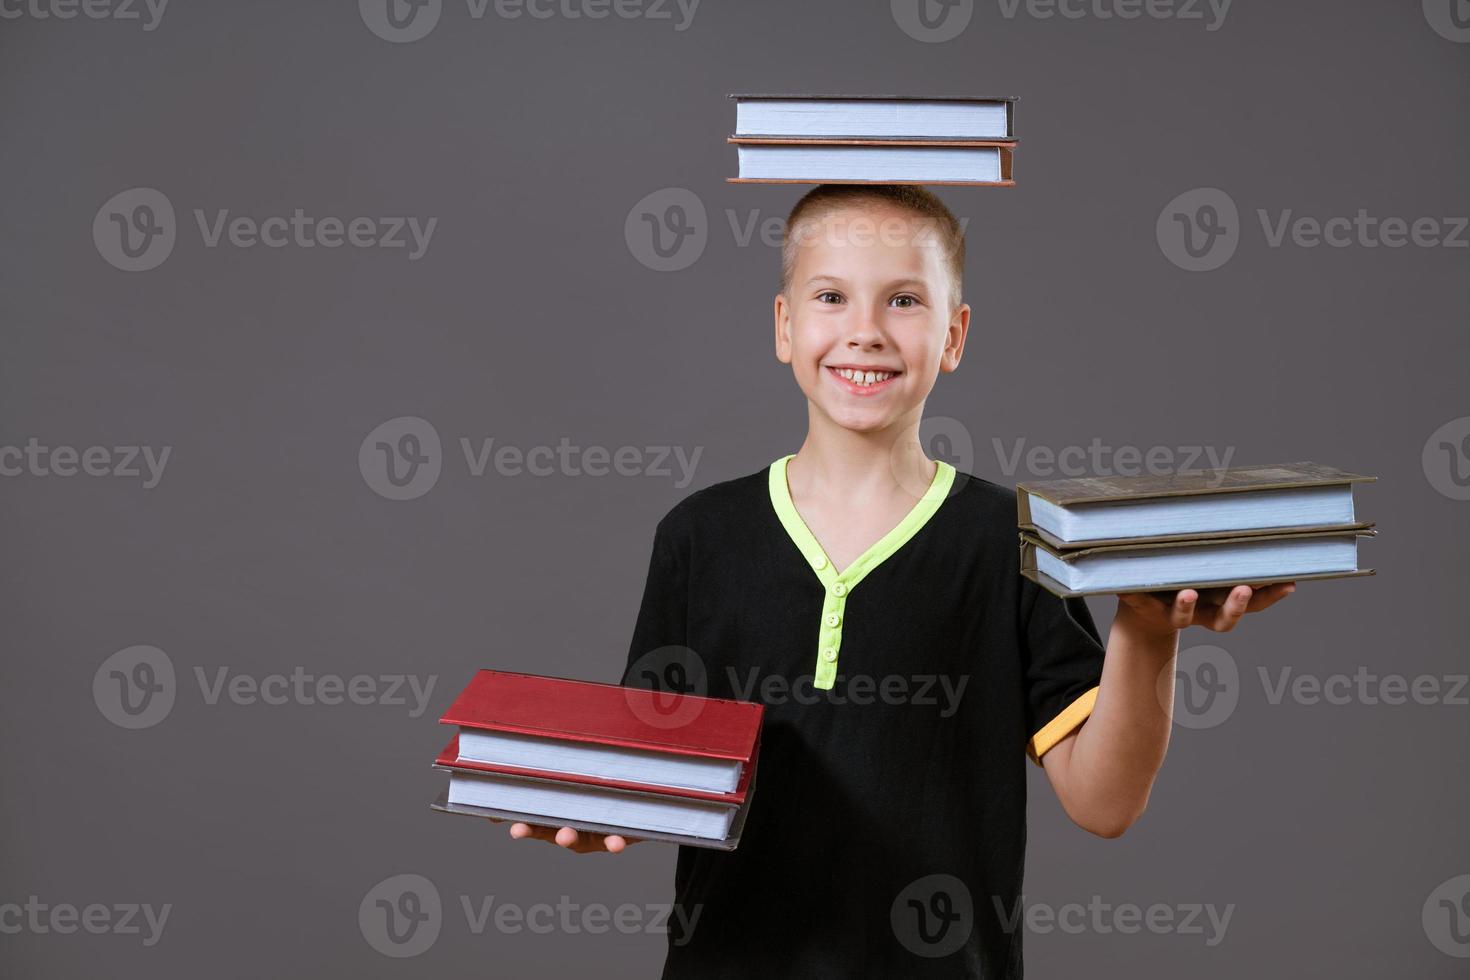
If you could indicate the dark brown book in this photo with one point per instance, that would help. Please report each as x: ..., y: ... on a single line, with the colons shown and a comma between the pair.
x: 1189, y: 505
x: 1213, y: 558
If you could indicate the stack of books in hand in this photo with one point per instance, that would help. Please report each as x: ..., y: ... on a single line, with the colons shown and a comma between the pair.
x: 602, y: 758
x: 1194, y: 529
x: 874, y: 139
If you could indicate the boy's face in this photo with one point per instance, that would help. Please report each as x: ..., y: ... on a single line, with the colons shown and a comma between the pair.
x: 869, y: 292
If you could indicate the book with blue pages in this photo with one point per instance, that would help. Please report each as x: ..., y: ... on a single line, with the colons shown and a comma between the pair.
x: 1250, y: 525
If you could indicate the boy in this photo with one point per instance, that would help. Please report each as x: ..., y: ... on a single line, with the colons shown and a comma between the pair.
x: 871, y: 598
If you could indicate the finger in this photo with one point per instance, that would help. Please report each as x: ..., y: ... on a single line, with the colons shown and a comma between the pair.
x: 1228, y: 615
x: 520, y: 831
x: 566, y: 837
x: 614, y: 842
x: 1182, y: 612
x: 1268, y: 597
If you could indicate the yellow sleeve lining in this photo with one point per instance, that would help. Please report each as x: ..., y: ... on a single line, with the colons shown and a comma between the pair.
x: 1061, y: 726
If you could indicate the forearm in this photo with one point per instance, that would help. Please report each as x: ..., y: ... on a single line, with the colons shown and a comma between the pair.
x: 1111, y: 763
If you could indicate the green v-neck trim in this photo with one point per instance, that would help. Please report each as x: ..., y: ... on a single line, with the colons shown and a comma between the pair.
x: 837, y: 585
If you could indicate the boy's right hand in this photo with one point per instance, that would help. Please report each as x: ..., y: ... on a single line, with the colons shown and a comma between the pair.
x: 569, y: 838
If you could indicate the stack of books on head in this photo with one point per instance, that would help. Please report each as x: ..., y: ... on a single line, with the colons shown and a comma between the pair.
x: 874, y: 139
x: 1194, y: 529
x: 602, y: 758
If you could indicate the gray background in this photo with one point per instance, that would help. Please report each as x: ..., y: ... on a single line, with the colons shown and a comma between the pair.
x: 530, y: 318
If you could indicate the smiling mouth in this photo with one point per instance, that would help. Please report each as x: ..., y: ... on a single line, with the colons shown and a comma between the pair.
x: 863, y: 381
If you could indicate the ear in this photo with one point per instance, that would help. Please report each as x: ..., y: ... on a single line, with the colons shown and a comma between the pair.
x: 954, y: 338
x: 783, y: 329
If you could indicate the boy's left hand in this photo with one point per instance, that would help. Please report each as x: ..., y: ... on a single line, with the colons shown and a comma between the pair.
x: 1214, y: 609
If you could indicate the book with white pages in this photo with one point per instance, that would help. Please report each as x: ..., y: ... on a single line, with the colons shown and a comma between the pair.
x: 617, y: 762
x: 1200, y: 563
x: 1234, y: 501
x: 876, y: 116
x: 860, y: 161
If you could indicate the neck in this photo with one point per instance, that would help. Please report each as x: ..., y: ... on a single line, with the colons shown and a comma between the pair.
x: 837, y: 462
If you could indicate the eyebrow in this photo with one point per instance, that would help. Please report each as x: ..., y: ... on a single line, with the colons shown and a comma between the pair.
x: 892, y: 285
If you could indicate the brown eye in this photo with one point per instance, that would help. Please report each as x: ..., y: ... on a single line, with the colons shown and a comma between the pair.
x: 826, y: 293
x: 911, y: 300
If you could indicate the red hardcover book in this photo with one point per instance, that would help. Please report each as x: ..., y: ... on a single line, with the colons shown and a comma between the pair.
x: 607, y: 714
x: 602, y: 758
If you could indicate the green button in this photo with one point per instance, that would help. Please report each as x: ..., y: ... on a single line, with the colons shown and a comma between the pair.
x: 829, y: 655
x: 839, y: 588
x: 819, y: 562
x: 833, y: 619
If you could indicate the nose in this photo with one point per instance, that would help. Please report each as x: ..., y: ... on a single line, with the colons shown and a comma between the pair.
x: 866, y: 331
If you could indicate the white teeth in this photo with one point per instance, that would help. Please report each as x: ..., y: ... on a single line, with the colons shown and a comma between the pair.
x: 865, y: 378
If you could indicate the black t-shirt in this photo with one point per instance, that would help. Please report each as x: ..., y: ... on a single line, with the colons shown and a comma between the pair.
x: 887, y: 834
